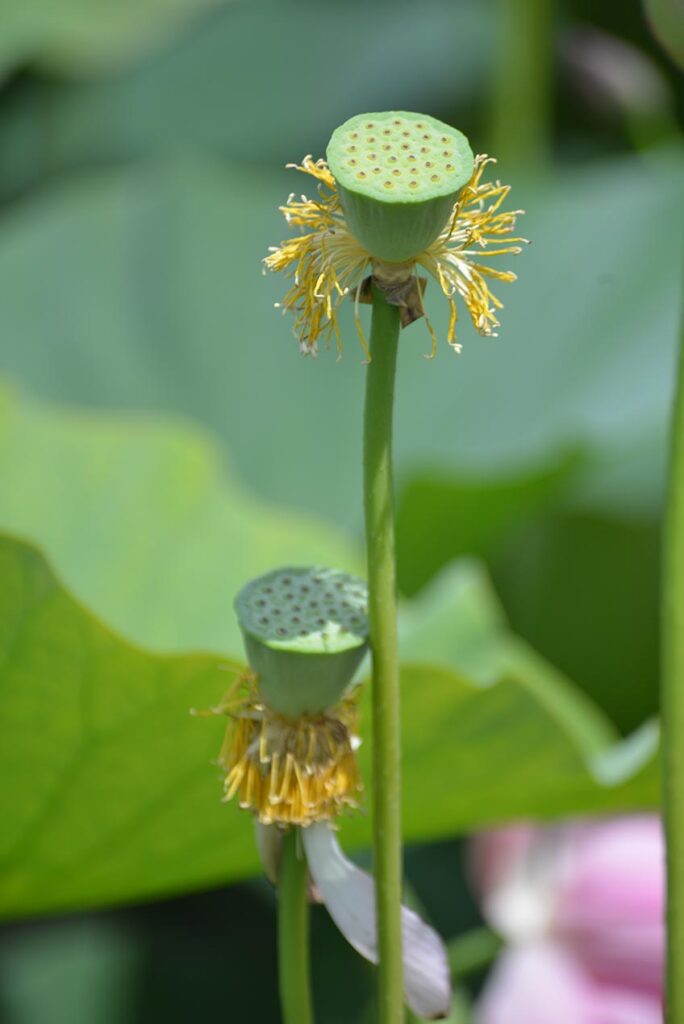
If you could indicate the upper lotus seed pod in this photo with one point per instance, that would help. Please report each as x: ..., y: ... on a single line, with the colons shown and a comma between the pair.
x: 305, y: 633
x: 398, y: 175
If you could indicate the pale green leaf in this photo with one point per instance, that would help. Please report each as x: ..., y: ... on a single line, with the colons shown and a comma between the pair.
x: 144, y: 522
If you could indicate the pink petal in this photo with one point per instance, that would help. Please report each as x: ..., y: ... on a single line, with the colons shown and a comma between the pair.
x: 535, y: 983
x: 616, y: 1006
x: 515, y: 871
x: 540, y: 983
x: 611, y: 901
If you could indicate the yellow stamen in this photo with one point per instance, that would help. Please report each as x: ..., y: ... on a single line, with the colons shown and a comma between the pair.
x: 290, y: 771
x: 326, y: 263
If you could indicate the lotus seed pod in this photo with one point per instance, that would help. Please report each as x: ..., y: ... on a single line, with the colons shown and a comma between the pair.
x: 398, y: 175
x: 305, y: 634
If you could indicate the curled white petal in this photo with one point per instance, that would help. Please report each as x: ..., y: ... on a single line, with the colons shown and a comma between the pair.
x: 349, y: 894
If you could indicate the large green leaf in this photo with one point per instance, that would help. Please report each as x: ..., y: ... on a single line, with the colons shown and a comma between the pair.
x: 108, y: 791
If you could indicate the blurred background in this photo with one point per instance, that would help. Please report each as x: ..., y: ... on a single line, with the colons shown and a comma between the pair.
x: 142, y: 153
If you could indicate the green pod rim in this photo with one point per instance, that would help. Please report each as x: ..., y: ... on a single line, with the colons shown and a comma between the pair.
x: 306, y: 633
x: 398, y: 175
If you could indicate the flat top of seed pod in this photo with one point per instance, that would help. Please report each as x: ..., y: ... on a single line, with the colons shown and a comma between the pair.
x: 305, y: 610
x: 399, y: 157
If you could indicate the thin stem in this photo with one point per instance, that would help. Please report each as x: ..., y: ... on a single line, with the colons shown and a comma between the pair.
x: 522, y: 88
x: 673, y: 710
x: 379, y: 512
x: 293, y: 934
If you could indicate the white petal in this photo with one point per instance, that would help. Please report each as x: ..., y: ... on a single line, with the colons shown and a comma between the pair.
x: 349, y: 894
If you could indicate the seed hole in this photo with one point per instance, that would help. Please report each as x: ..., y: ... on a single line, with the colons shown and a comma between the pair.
x: 354, y: 135
x: 424, y: 149
x: 406, y: 135
x: 281, y: 631
x: 413, y: 184
x: 446, y: 153
x: 361, y: 174
x: 396, y: 122
x: 434, y: 177
x: 376, y: 170
x: 405, y: 145
x: 352, y: 163
x: 392, y: 159
x: 386, y: 131
x: 371, y: 139
x: 426, y: 137
x: 449, y: 167
x: 444, y: 139
x: 386, y: 147
x: 411, y: 159
x: 429, y: 163
x: 388, y: 184
x: 352, y: 149
x: 370, y: 124
x: 397, y: 173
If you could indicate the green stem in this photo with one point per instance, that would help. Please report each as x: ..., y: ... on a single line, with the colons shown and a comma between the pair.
x: 522, y: 88
x: 293, y: 934
x: 673, y: 710
x: 379, y: 513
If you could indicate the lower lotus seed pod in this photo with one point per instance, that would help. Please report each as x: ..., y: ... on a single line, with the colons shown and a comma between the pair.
x: 398, y: 175
x: 305, y: 633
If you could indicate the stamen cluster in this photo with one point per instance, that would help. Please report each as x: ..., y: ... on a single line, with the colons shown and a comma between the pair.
x: 327, y: 263
x: 289, y: 771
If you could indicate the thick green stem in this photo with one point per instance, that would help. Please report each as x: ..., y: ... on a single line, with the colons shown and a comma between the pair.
x: 673, y: 710
x: 293, y: 934
x: 379, y: 511
x: 522, y: 86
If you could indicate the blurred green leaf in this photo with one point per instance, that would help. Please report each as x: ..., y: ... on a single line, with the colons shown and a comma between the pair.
x: 76, y: 972
x: 584, y: 588
x: 472, y: 514
x: 143, y: 288
x: 259, y: 81
x: 112, y: 796
x: 667, y: 21
x: 82, y: 36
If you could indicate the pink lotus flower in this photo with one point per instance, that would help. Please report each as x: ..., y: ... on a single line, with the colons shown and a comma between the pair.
x: 581, y: 908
